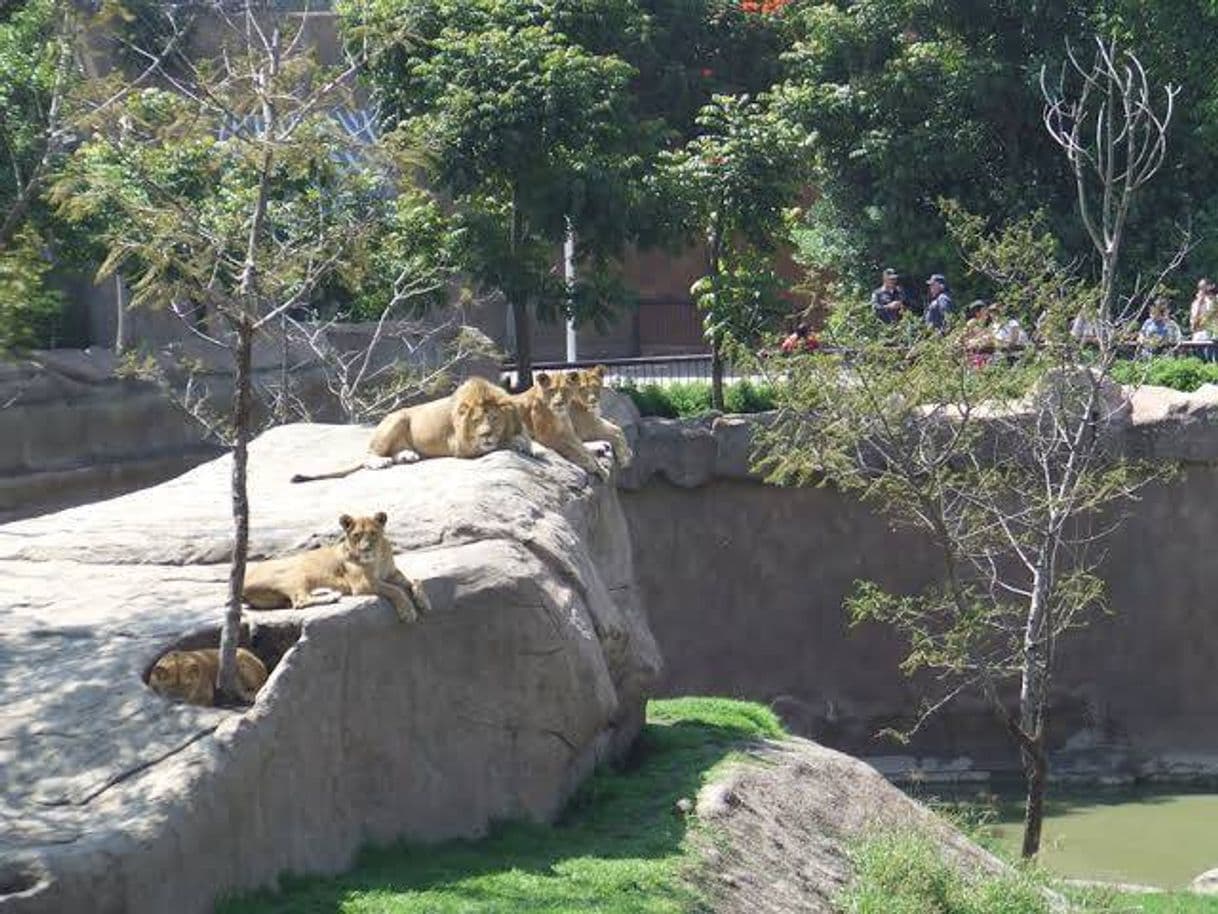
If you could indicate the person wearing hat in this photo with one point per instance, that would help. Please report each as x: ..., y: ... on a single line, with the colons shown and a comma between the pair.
x: 940, y: 304
x: 888, y: 301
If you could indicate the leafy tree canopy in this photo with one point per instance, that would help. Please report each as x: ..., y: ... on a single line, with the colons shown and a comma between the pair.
x: 917, y: 100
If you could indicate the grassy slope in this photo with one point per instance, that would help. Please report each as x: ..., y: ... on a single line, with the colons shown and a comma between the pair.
x: 619, y: 848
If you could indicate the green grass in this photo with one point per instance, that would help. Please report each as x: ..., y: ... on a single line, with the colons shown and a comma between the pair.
x: 1102, y: 901
x: 905, y: 873
x: 619, y: 848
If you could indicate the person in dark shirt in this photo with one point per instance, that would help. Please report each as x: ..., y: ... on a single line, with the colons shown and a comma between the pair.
x: 939, y: 305
x: 888, y: 301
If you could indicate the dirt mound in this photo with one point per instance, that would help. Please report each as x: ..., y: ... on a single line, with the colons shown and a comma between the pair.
x: 781, y: 822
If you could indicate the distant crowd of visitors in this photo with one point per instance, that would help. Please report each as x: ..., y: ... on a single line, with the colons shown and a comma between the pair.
x: 989, y: 327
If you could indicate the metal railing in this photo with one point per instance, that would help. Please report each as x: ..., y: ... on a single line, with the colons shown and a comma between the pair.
x: 666, y: 369
x: 669, y: 369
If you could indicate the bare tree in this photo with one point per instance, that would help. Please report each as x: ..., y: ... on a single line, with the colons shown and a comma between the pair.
x: 1104, y: 117
x: 1013, y: 473
x: 233, y: 188
x: 399, y: 362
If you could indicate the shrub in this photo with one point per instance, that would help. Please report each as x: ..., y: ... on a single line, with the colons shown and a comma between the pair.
x: 1185, y: 374
x: 693, y: 398
x: 906, y: 873
x: 31, y: 313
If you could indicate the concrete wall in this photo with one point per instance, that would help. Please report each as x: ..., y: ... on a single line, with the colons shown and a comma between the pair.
x: 73, y: 431
x: 745, y: 583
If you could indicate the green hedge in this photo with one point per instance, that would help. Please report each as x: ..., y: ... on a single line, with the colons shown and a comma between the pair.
x: 1186, y: 374
x: 693, y: 398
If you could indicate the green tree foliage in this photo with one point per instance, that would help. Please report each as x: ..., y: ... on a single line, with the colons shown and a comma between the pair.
x: 735, y: 180
x: 238, y: 195
x: 915, y: 100
x: 34, y: 70
x: 531, y: 133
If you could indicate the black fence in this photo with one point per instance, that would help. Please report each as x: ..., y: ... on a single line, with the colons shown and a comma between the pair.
x: 697, y: 367
x: 644, y: 370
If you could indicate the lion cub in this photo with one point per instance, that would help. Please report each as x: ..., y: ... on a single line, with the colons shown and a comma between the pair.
x: 586, y: 416
x: 546, y: 409
x: 361, y: 563
x: 190, y: 676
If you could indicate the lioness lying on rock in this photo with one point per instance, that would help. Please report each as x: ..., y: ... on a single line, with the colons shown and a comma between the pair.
x: 361, y: 563
x: 473, y: 420
x: 190, y: 676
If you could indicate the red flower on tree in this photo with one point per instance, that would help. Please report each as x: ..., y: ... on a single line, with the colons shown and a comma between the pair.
x: 764, y: 7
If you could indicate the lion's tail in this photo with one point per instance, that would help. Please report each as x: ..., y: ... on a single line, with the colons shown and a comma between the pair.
x: 333, y: 474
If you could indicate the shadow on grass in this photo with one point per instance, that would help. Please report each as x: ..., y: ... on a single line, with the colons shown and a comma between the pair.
x: 618, y: 847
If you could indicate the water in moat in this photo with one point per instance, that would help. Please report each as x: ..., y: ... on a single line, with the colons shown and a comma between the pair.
x: 1152, y: 836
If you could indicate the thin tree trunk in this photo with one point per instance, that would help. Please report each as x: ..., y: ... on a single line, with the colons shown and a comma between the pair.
x: 520, y: 314
x: 717, y: 400
x: 524, y: 346
x: 1032, y: 695
x: 716, y: 246
x: 243, y: 321
x: 226, y: 678
x: 1036, y: 772
x: 120, y: 314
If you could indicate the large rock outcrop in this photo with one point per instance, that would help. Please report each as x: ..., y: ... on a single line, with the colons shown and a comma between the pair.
x: 533, y: 667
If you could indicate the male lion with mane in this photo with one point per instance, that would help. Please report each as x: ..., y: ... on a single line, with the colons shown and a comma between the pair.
x: 360, y: 563
x: 473, y: 420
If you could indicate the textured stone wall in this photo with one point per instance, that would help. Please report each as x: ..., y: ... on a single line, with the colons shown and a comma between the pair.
x: 72, y: 431
x: 745, y: 582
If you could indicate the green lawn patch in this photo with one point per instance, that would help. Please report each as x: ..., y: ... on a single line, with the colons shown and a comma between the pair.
x: 1103, y: 901
x: 905, y: 873
x: 619, y: 848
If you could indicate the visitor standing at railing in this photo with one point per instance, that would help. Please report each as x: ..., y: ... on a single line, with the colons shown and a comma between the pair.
x: 889, y: 301
x: 1201, y: 314
x: 939, y: 304
x: 801, y: 340
x: 1007, y: 330
x: 1160, y: 332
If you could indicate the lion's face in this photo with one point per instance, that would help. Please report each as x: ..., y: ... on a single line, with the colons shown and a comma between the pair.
x: 558, y: 391
x: 484, y: 424
x: 589, y: 385
x: 364, y: 536
x: 175, y: 675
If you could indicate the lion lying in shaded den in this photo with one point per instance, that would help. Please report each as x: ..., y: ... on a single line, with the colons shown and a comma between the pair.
x: 190, y: 676
x: 360, y: 563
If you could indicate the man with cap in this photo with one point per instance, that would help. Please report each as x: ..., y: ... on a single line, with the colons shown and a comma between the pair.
x: 888, y: 301
x: 940, y: 304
